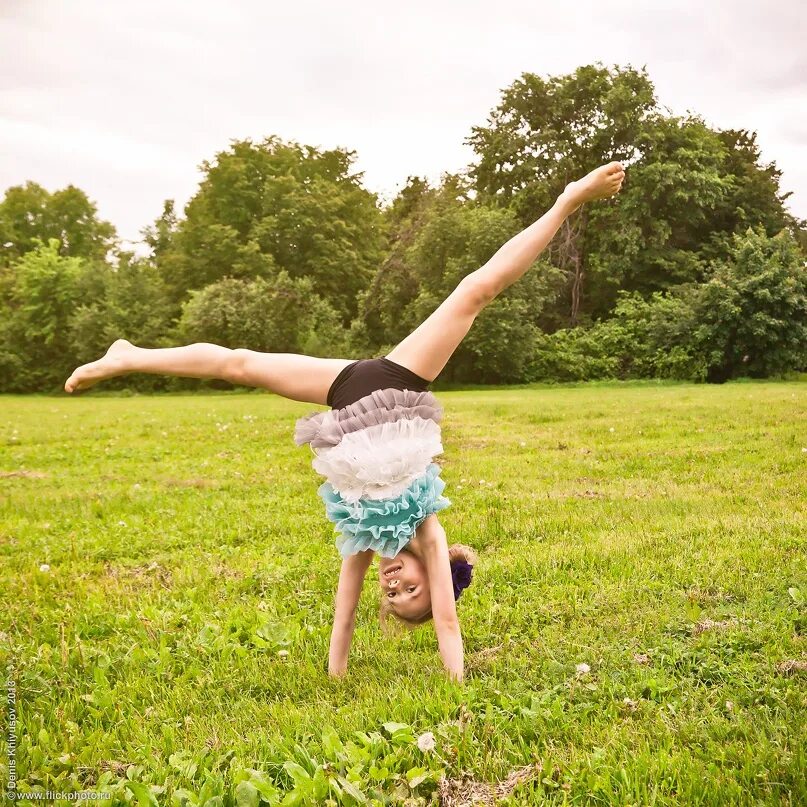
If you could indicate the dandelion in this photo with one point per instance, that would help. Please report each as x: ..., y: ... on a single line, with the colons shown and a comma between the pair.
x: 582, y: 668
x: 426, y: 742
x: 611, y: 429
x: 44, y: 567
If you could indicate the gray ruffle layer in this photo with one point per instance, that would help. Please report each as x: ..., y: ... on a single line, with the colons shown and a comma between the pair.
x: 323, y: 429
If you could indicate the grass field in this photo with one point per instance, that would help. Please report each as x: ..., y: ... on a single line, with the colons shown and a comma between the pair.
x: 635, y: 632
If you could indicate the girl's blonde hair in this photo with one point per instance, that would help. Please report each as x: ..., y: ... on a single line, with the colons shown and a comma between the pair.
x: 455, y: 552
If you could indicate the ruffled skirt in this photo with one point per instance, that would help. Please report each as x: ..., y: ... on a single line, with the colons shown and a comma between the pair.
x: 376, y: 455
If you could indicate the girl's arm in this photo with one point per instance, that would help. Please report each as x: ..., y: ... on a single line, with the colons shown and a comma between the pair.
x: 434, y: 547
x: 351, y: 578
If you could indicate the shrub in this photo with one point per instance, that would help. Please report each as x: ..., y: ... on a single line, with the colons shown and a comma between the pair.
x: 281, y: 315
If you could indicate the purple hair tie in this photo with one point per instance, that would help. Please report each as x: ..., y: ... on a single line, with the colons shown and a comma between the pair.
x: 461, y: 573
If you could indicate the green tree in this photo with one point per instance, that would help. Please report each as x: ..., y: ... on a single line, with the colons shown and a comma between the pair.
x: 546, y: 133
x: 755, y: 199
x: 752, y: 312
x: 160, y: 237
x: 438, y: 236
x: 650, y: 237
x: 689, y: 193
x: 30, y: 215
x: 35, y: 331
x: 278, y: 205
x: 395, y: 284
x: 687, y: 188
x: 128, y: 301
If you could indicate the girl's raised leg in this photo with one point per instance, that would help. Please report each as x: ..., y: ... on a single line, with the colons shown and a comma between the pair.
x: 428, y: 348
x: 292, y: 375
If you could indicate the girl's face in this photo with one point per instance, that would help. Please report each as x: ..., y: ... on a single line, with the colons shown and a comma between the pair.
x: 405, y: 584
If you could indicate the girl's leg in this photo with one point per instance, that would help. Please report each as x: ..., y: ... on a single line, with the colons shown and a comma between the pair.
x: 301, y: 378
x: 428, y: 348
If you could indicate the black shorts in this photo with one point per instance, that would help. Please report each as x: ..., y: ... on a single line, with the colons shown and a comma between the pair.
x: 368, y: 375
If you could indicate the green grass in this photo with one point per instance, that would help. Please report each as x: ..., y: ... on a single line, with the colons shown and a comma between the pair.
x: 176, y: 649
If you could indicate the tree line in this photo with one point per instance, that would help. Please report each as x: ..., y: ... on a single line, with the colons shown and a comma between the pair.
x: 696, y: 270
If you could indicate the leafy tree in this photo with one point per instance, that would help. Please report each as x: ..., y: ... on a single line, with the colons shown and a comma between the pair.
x: 692, y: 189
x: 59, y: 312
x: 687, y: 189
x: 395, y: 284
x: 755, y: 198
x: 30, y: 215
x: 160, y: 236
x: 126, y: 301
x: 440, y: 236
x: 278, y: 205
x: 40, y: 302
x: 544, y: 134
x: 752, y: 312
x: 650, y: 237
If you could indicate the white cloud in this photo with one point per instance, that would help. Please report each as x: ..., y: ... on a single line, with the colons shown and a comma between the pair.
x: 126, y: 99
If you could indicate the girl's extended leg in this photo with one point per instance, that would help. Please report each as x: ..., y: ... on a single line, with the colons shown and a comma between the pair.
x: 301, y: 378
x: 428, y: 348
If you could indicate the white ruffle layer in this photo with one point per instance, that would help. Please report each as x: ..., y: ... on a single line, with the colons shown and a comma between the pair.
x: 380, y: 461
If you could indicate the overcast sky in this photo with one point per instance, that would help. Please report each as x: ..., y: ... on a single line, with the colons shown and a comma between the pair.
x: 125, y: 99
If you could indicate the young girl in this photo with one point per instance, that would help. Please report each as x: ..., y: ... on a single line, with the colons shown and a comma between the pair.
x: 376, y: 444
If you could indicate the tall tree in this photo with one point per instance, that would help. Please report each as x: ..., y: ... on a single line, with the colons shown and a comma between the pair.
x: 30, y: 215
x: 279, y: 206
x: 437, y: 237
x: 35, y: 346
x: 688, y: 186
x: 755, y: 199
x: 127, y: 300
x: 651, y: 237
x: 160, y: 236
x: 397, y: 281
x: 546, y: 133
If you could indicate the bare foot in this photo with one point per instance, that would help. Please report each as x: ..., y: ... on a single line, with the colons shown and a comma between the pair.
x: 112, y: 364
x: 600, y: 183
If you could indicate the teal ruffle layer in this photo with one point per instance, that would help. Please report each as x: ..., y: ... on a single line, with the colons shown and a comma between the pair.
x: 384, y: 525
